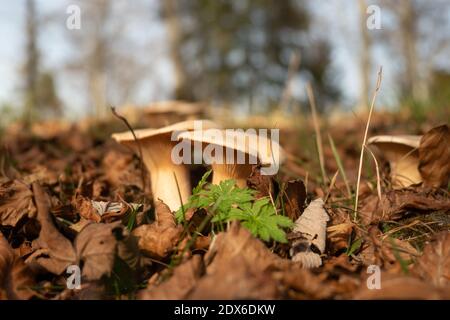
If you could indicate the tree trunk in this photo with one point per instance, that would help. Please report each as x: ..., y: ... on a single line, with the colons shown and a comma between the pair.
x: 32, y: 62
x: 413, y: 85
x: 181, y: 91
x: 365, y: 60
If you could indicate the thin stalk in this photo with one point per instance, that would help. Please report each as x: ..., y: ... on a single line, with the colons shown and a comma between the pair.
x: 361, y: 158
x: 312, y: 103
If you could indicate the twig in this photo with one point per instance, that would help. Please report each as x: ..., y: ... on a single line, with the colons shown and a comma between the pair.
x: 361, y: 158
x: 113, y: 110
x: 312, y: 103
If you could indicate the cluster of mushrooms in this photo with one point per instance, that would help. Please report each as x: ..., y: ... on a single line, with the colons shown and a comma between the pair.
x: 170, y: 181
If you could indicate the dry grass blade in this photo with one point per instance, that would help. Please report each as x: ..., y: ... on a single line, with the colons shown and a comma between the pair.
x: 312, y: 103
x: 377, y: 169
x: 366, y: 131
x: 330, y: 188
x: 340, y: 166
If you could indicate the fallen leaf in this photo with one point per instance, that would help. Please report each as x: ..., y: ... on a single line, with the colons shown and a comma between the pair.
x: 401, y: 288
x: 102, y: 211
x: 239, y: 266
x: 339, y: 235
x: 305, y: 284
x: 434, y: 265
x: 52, y: 250
x: 159, y: 238
x: 309, y: 235
x: 16, y: 279
x: 382, y: 250
x: 235, y: 279
x: 16, y: 203
x: 96, y: 247
x: 85, y: 208
x: 394, y: 204
x: 294, y: 195
x: 263, y: 184
x: 434, y: 157
x: 179, y: 285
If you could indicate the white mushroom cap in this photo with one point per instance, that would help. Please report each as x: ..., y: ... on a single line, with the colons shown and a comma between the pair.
x: 249, y: 149
x: 407, y: 140
x: 402, y: 153
x: 266, y: 150
x: 127, y: 136
x: 166, y: 176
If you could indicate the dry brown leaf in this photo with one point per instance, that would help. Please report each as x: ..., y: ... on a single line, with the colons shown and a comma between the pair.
x: 309, y: 235
x: 385, y: 251
x: 16, y: 279
x: 96, y: 246
x: 120, y: 169
x: 239, y: 266
x: 16, y: 203
x: 84, y: 207
x: 52, y: 250
x: 263, y: 184
x: 434, y: 157
x: 179, y: 285
x: 294, y: 195
x: 401, y: 288
x: 305, y: 284
x: 434, y: 265
x: 339, y: 235
x: 395, y: 203
x: 101, y: 211
x: 159, y: 238
x: 235, y: 279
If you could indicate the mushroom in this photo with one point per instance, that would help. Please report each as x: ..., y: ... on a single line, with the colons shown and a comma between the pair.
x: 168, y: 112
x: 167, y: 177
x: 232, y: 153
x: 403, y: 156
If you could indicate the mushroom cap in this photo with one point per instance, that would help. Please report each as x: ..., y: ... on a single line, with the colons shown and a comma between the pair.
x: 180, y: 107
x: 239, y: 141
x: 127, y: 136
x: 412, y: 141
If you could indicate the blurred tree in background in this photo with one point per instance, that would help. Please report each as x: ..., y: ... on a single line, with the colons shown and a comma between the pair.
x: 39, y: 92
x: 229, y: 50
x: 106, y: 53
x: 417, y: 32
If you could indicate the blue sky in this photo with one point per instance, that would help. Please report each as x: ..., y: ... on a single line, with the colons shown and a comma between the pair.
x: 335, y: 18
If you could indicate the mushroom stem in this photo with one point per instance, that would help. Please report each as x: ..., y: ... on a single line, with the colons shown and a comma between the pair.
x: 403, y: 162
x: 237, y: 172
x: 165, y: 186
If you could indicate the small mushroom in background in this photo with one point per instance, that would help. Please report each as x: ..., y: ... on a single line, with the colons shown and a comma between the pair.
x: 232, y: 154
x: 168, y: 112
x: 156, y: 146
x: 403, y: 156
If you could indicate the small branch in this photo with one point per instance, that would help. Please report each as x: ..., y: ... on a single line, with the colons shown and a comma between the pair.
x: 124, y: 120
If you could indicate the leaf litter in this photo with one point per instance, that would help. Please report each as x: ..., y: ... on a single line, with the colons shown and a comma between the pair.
x: 74, y: 197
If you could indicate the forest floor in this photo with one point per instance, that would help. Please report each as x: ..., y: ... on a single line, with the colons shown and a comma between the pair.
x: 70, y: 195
